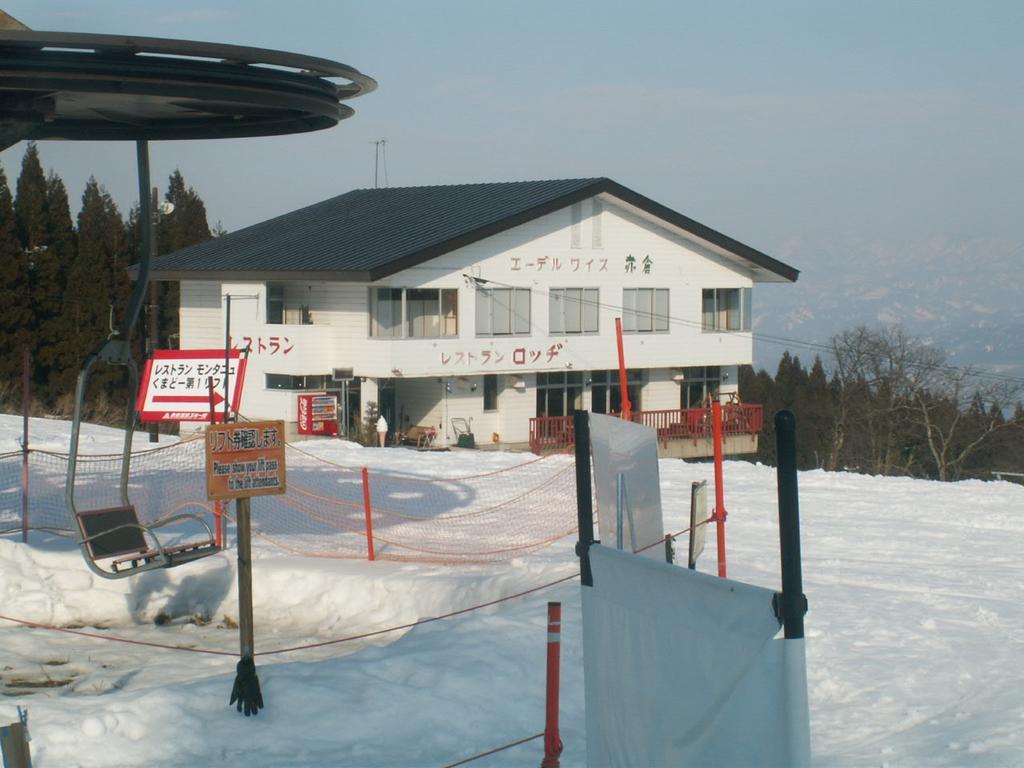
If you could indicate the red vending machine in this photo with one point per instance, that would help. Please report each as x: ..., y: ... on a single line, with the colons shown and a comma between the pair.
x: 318, y: 415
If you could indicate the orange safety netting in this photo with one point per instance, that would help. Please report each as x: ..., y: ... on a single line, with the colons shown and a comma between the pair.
x: 481, y: 518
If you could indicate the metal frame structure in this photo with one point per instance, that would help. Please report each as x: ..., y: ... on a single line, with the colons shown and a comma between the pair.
x: 61, y: 85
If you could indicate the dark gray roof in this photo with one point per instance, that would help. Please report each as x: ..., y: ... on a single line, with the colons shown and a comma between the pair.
x: 368, y: 234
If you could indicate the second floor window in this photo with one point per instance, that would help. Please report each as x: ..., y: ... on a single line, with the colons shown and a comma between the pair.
x: 502, y: 311
x: 645, y: 310
x: 413, y: 313
x: 725, y: 309
x: 284, y: 305
x: 572, y: 310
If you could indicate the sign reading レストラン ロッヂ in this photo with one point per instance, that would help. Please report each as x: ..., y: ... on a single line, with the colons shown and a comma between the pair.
x: 245, y: 459
x: 176, y: 385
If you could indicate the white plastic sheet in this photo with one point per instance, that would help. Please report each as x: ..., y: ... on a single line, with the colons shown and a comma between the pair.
x: 682, y: 669
x: 622, y: 447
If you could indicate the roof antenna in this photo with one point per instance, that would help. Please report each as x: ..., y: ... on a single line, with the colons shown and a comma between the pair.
x: 380, y: 153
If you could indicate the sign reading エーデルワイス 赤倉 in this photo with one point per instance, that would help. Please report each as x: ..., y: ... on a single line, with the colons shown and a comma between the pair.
x: 245, y: 459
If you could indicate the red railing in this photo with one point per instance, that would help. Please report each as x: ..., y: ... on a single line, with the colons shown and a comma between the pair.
x: 554, y: 433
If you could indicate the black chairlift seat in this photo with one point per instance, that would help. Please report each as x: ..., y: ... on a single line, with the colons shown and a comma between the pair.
x: 115, y: 535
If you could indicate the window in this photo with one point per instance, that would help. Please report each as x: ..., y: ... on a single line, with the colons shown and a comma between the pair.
x: 572, y: 310
x: 285, y: 305
x: 700, y: 382
x: 559, y: 393
x: 428, y: 312
x: 490, y: 392
x: 288, y: 381
x: 386, y: 312
x: 645, y: 310
x: 502, y: 311
x: 606, y: 394
x: 726, y: 309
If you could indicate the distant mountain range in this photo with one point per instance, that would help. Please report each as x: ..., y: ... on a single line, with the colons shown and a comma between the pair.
x: 964, y: 295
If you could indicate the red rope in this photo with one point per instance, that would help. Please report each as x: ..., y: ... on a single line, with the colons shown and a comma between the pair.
x: 459, y: 612
x: 496, y: 749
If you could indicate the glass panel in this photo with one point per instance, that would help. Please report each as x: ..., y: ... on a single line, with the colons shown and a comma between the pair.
x: 556, y: 406
x: 275, y: 303
x: 732, y: 308
x: 483, y: 312
x: 556, y: 313
x: 542, y: 402
x: 708, y: 309
x: 590, y: 310
x: 628, y: 309
x: 747, y: 314
x: 573, y: 310
x: 661, y: 309
x: 501, y: 311
x: 522, y: 314
x: 449, y: 312
x: 574, y: 377
x: 599, y: 398
x: 386, y: 312
x: 573, y: 398
x: 644, y: 309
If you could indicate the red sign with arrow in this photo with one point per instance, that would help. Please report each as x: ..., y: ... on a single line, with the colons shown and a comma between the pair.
x: 177, y: 384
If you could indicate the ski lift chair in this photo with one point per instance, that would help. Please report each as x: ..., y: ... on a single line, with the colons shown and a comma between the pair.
x: 115, y: 534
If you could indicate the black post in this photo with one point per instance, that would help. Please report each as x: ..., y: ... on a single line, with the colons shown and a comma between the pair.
x: 245, y: 694
x: 584, y: 500
x: 793, y: 604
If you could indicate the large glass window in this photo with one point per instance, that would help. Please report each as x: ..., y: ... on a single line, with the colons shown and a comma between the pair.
x: 502, y: 311
x: 606, y: 393
x: 559, y: 393
x: 428, y: 312
x: 699, y: 385
x: 645, y: 310
x: 726, y: 309
x: 572, y: 310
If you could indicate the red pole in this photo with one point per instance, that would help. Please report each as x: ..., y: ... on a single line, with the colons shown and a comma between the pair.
x: 552, y: 741
x: 26, y: 403
x: 627, y: 407
x: 369, y: 517
x: 716, y: 413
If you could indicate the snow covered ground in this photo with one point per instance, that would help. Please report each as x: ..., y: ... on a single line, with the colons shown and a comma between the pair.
x: 915, y: 633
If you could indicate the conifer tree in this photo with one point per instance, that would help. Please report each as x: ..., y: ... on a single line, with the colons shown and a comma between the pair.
x: 50, y: 282
x: 15, y: 316
x: 98, y: 284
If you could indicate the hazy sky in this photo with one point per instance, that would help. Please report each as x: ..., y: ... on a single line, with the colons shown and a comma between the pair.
x: 773, y: 122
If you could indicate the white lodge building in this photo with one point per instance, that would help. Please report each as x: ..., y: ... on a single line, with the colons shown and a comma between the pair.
x: 486, y: 304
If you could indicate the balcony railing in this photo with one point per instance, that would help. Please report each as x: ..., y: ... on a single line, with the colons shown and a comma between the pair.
x: 555, y: 433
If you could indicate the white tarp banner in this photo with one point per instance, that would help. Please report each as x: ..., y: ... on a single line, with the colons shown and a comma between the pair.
x: 682, y: 669
x: 622, y: 447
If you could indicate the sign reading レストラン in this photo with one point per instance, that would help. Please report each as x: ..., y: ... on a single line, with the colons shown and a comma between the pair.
x: 245, y: 459
x: 176, y: 385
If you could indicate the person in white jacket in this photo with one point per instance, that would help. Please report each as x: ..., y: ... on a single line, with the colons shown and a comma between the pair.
x: 382, y: 430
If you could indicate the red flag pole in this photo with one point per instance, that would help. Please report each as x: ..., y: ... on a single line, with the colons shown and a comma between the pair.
x: 627, y: 407
x: 716, y: 413
x: 552, y: 740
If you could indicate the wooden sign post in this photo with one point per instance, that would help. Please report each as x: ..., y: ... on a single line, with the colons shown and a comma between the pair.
x: 245, y: 460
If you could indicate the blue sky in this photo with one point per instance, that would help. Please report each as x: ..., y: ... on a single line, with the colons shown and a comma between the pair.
x: 774, y: 122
